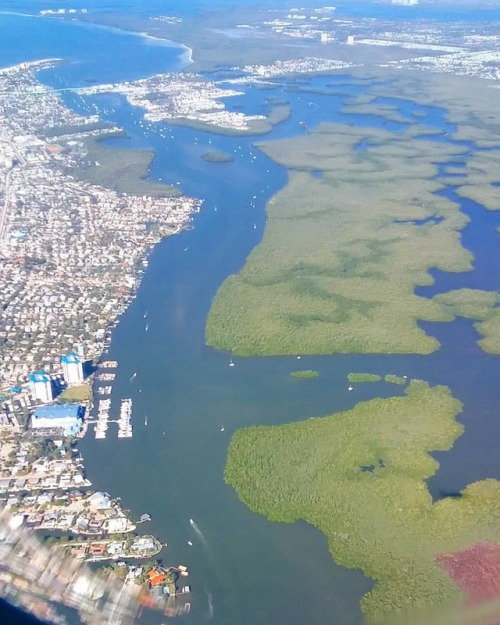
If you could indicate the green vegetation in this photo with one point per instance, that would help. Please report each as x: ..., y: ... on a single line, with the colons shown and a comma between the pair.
x: 45, y: 448
x: 395, y: 379
x: 339, y: 261
x: 305, y: 374
x: 78, y: 394
x: 389, y: 113
x: 482, y: 170
x: 363, y: 377
x: 125, y: 171
x: 479, y: 305
x: 359, y: 476
x: 217, y: 157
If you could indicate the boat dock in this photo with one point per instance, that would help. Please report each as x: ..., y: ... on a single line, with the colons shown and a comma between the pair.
x: 107, y: 377
x: 124, y: 420
x: 108, y: 364
x: 102, y: 420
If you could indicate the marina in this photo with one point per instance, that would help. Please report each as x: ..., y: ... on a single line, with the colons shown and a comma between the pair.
x: 124, y: 420
x: 103, y: 420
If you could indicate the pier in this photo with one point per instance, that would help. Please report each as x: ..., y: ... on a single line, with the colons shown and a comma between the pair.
x: 102, y: 421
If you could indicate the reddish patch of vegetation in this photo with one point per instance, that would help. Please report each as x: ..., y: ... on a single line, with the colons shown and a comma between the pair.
x: 476, y: 570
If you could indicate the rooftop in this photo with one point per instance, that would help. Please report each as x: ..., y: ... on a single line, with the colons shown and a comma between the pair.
x: 39, y: 376
x: 58, y: 411
x: 70, y: 359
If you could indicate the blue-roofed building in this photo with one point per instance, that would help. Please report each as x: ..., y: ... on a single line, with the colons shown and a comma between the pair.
x: 41, y: 387
x: 72, y: 369
x: 66, y: 417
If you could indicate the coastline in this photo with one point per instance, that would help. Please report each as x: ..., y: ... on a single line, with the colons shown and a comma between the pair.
x: 42, y: 172
x: 67, y: 153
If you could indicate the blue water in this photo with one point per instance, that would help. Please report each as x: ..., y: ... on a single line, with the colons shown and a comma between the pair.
x: 86, y: 48
x: 244, y: 569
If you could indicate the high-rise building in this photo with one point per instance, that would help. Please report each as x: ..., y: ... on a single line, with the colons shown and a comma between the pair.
x: 41, y: 387
x: 72, y: 369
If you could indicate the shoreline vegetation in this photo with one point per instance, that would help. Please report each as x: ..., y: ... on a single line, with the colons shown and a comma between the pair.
x: 359, y: 476
x: 481, y: 306
x: 338, y: 264
x: 120, y: 169
x: 359, y: 378
x: 363, y: 377
x: 395, y: 379
x: 305, y: 374
x: 217, y: 156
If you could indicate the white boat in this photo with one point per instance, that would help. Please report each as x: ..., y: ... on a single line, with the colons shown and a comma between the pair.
x: 134, y: 375
x: 146, y: 420
x: 231, y: 363
x: 222, y: 429
x: 350, y: 387
x: 190, y: 543
x: 147, y: 327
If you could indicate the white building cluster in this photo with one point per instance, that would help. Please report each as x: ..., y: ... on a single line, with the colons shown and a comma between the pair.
x: 188, y: 96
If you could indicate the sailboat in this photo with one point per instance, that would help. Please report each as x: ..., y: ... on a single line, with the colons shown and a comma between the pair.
x: 146, y: 420
x: 231, y: 363
x: 350, y: 387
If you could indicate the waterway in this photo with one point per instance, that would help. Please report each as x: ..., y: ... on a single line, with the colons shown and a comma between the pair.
x: 245, y: 570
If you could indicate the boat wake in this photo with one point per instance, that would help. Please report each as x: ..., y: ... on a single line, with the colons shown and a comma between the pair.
x: 196, y: 528
x: 199, y: 533
x: 210, y: 606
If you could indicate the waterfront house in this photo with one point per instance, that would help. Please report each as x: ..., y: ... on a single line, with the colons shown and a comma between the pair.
x: 97, y: 549
x: 156, y: 578
x: 99, y: 501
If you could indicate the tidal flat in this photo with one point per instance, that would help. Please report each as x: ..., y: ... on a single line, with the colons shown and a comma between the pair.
x: 360, y: 477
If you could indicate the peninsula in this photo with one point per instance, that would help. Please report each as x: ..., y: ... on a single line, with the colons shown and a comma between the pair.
x: 359, y: 476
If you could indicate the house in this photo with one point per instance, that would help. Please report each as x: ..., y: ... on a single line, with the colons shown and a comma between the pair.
x: 99, y: 501
x: 97, y: 549
x: 117, y: 525
x: 155, y: 577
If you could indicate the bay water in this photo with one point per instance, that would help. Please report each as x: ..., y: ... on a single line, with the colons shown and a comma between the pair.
x: 245, y: 570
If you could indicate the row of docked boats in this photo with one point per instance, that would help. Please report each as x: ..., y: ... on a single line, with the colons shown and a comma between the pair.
x: 102, y: 418
x: 125, y: 418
